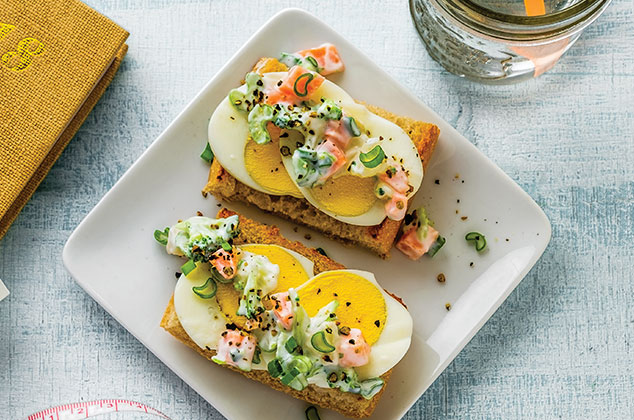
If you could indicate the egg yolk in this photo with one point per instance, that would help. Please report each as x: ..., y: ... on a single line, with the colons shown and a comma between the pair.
x: 346, y: 195
x: 292, y: 274
x: 361, y: 303
x: 263, y: 163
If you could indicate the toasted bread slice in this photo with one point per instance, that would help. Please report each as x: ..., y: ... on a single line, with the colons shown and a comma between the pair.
x: 348, y: 404
x: 377, y: 238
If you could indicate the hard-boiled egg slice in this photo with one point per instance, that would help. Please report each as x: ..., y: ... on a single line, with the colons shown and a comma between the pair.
x: 201, y: 318
x: 385, y: 323
x: 347, y: 198
x: 258, y: 166
x: 295, y: 269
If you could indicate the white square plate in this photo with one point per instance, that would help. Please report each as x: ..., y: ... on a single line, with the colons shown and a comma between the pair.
x: 113, y: 256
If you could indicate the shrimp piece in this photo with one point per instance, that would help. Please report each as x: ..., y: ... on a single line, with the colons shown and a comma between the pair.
x: 235, y: 348
x: 283, y: 309
x: 340, y: 158
x: 355, y: 350
x: 226, y: 262
x: 411, y: 245
x: 338, y: 134
x: 298, y: 86
x: 397, y: 180
x: 396, y: 206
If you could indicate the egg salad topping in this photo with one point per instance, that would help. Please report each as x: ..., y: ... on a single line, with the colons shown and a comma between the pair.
x: 418, y: 235
x: 197, y: 238
x: 260, y: 307
x: 322, y: 137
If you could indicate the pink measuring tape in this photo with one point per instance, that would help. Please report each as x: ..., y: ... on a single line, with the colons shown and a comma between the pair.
x: 84, y: 410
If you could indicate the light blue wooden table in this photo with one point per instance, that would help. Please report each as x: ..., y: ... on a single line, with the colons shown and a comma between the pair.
x: 561, y: 347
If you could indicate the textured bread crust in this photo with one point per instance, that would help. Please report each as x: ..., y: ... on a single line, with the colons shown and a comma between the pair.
x: 377, y: 238
x: 348, y: 404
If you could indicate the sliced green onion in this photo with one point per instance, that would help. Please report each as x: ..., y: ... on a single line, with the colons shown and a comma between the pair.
x: 289, y: 59
x: 275, y: 368
x: 291, y: 345
x: 207, y: 155
x: 321, y: 251
x: 329, y: 110
x: 373, y: 158
x: 370, y: 387
x: 258, y: 119
x: 351, y: 126
x: 312, y: 413
x: 312, y: 61
x: 319, y: 342
x: 302, y: 363
x: 435, y: 247
x: 161, y: 236
x: 310, y: 78
x: 226, y: 246
x: 256, y: 355
x: 292, y: 374
x: 188, y: 267
x: 299, y: 383
x: 207, y: 290
x: 478, y: 239
x: 236, y: 98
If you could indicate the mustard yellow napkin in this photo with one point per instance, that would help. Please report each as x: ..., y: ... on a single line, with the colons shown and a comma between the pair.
x: 56, y: 59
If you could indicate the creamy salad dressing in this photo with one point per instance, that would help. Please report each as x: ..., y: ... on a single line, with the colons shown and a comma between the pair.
x: 198, y: 231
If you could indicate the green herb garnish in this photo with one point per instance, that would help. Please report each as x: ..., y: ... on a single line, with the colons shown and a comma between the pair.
x: 226, y: 246
x: 373, y: 158
x: 352, y: 127
x: 258, y: 119
x: 292, y: 374
x: 478, y: 239
x: 310, y: 78
x: 319, y: 342
x: 207, y: 155
x: 321, y: 251
x: 291, y: 345
x: 435, y: 247
x: 312, y: 413
x: 275, y: 368
x: 188, y: 267
x: 256, y: 355
x: 313, y: 62
x: 207, y: 290
x: 161, y: 236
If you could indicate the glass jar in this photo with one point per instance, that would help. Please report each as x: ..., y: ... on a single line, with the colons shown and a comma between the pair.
x: 501, y: 41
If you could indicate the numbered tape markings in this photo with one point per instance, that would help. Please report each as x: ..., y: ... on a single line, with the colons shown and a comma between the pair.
x: 89, y: 409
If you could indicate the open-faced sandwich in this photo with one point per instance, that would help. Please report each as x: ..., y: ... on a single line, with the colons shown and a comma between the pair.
x: 284, y: 314
x: 294, y: 143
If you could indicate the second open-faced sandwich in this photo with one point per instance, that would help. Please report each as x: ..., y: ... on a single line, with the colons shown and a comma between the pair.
x: 284, y: 314
x: 296, y: 144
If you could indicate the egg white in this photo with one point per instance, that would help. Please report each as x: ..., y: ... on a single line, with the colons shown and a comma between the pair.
x: 201, y: 318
